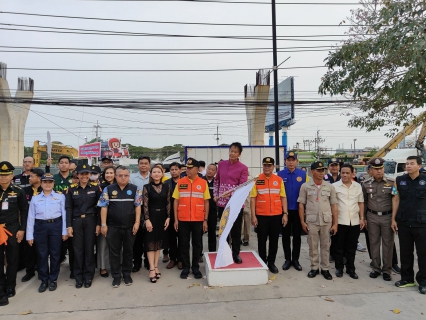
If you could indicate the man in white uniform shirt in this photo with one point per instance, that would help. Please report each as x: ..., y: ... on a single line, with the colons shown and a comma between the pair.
x: 350, y: 204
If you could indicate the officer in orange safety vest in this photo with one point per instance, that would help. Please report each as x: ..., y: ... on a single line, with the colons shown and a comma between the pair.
x: 191, y: 210
x: 268, y: 202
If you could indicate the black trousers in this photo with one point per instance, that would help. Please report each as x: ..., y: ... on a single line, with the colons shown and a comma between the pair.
x: 11, y: 250
x: 118, y: 239
x: 211, y: 230
x: 172, y: 235
x: 190, y: 230
x: 268, y: 226
x: 30, y: 256
x: 48, y: 239
x: 408, y: 237
x: 345, y: 242
x: 67, y: 245
x: 235, y: 231
x: 139, y: 248
x: 84, y: 243
x: 293, y: 228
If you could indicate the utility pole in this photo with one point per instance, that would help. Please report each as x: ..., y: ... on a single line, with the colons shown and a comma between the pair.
x: 97, y: 127
x: 275, y: 68
x: 217, y: 138
x: 354, y: 149
x: 318, y: 140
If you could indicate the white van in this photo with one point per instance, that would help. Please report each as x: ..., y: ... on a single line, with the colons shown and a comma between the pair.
x: 395, y: 161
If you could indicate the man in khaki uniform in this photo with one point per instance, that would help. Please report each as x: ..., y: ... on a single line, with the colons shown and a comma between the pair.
x: 378, y: 200
x: 321, y: 218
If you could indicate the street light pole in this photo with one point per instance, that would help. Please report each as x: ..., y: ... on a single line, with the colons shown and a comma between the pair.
x: 275, y: 68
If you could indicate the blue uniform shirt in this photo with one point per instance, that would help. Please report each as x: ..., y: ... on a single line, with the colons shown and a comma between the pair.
x: 45, y: 208
x: 292, y: 183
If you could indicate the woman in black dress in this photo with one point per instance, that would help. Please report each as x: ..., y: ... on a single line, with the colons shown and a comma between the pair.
x: 156, y: 208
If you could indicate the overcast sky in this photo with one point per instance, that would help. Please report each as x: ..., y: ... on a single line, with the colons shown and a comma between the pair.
x: 159, y: 128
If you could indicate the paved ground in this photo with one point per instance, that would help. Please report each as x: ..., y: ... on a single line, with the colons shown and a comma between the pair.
x: 290, y: 295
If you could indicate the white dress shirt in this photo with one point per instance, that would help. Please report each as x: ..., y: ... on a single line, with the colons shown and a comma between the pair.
x: 348, y: 199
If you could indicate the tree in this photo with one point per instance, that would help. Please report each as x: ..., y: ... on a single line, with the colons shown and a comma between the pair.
x: 371, y: 153
x: 381, y: 67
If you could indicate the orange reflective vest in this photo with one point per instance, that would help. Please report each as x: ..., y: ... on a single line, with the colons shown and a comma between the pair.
x: 268, y: 200
x: 191, y: 199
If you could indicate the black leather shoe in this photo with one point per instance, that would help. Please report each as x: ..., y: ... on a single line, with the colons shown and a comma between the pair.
x: 42, y: 287
x: 396, y: 269
x: 52, y: 286
x: 387, y: 277
x: 10, y: 292
x: 79, y: 284
x: 326, y: 274
x: 297, y: 265
x: 272, y: 267
x: 27, y: 277
x: 4, y: 300
x: 104, y: 275
x: 313, y: 273
x: 352, y: 274
x: 72, y: 275
x: 339, y: 273
x: 136, y: 268
x: 286, y: 265
x: 237, y: 259
x: 375, y: 274
x: 185, y: 273
x: 87, y: 283
x: 197, y: 274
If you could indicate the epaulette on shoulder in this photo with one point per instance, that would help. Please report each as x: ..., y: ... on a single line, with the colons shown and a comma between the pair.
x: 369, y: 179
x: 389, y: 179
x: 15, y: 186
x: 93, y: 184
x: 73, y: 185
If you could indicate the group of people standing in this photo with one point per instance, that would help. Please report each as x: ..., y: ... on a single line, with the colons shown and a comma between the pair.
x: 128, y: 216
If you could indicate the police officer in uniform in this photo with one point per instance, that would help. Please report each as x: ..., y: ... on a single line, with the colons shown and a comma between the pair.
x: 377, y: 192
x: 120, y: 220
x: 293, y: 179
x: 46, y: 228
x: 13, y: 221
x: 191, y: 209
x: 409, y: 222
x: 211, y: 224
x: 269, y: 214
x: 23, y: 179
x: 30, y: 254
x: 82, y: 214
x: 321, y: 218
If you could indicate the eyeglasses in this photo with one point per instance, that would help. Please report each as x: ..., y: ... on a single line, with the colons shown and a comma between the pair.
x: 123, y: 175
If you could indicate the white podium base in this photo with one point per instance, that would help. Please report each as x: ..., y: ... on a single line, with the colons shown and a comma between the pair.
x: 253, y: 271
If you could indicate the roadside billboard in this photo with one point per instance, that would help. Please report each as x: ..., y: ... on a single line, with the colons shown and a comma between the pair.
x: 285, y: 105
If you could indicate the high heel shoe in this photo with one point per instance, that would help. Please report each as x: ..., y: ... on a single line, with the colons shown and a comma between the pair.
x: 104, y: 275
x: 153, y: 279
x: 158, y: 275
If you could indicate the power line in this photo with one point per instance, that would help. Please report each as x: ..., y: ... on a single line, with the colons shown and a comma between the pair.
x: 158, y: 70
x: 145, y: 34
x: 174, y: 22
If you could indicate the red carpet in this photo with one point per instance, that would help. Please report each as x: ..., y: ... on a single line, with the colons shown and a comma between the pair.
x: 249, y: 261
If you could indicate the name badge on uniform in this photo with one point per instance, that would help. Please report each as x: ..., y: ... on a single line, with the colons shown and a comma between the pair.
x: 260, y: 182
x: 90, y: 192
x: 183, y: 186
x: 403, y: 183
x: 5, y: 205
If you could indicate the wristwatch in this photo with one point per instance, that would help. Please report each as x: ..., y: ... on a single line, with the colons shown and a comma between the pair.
x: 286, y: 213
x: 104, y: 225
x: 205, y: 220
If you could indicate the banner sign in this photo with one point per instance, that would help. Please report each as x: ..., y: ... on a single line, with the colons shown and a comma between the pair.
x: 90, y: 150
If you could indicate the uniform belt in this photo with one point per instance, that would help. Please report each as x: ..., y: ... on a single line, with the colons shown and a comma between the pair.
x: 49, y: 220
x: 84, y: 215
x: 380, y: 213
